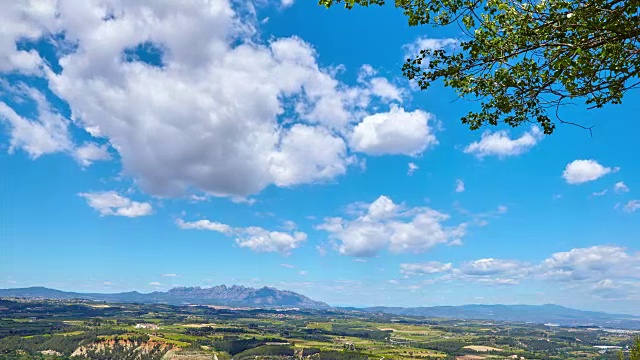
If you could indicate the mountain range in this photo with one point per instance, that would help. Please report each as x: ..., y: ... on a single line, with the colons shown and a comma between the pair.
x: 268, y: 297
x: 541, y: 314
x: 222, y: 295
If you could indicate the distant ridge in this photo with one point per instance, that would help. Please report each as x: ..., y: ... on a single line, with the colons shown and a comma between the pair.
x: 222, y: 295
x: 540, y: 314
x: 268, y: 297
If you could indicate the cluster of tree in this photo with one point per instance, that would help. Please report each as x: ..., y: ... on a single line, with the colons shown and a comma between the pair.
x: 10, y: 327
x: 634, y: 351
x: 266, y: 351
x: 310, y: 351
x: 208, y: 330
x: 298, y: 330
x: 342, y: 355
x: 345, y: 330
x: 64, y: 344
x: 450, y: 347
x: 506, y: 341
x: 122, y: 352
x: 23, y: 356
x: 234, y: 345
x: 543, y: 345
x: 586, y: 337
x: 309, y: 336
x: 449, y: 329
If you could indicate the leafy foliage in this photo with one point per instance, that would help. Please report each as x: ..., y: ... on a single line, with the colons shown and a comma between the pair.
x: 266, y: 350
x: 523, y: 60
x: 634, y: 351
x: 341, y: 355
x: 343, y: 330
x: 64, y: 344
x: 234, y: 345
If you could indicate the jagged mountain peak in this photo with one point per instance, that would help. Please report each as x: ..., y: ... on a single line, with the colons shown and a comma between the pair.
x: 234, y: 295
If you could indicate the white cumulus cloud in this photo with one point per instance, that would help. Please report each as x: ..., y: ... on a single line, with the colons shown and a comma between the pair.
x: 592, y: 264
x: 581, y: 171
x: 46, y: 134
x: 89, y: 153
x: 431, y: 267
x: 490, y: 266
x: 632, y: 206
x: 25, y: 20
x: 262, y: 240
x: 459, y: 186
x: 394, y: 132
x: 620, y: 187
x: 598, y: 269
x: 255, y: 238
x: 204, y: 225
x: 190, y: 97
x: 384, y: 224
x: 501, y: 145
x: 110, y: 203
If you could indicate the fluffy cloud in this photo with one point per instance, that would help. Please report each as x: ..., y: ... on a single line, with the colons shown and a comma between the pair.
x: 632, y: 206
x: 47, y: 131
x: 601, y: 270
x: 483, y: 271
x: 378, y: 86
x: 616, y: 290
x: 190, y: 97
x: 308, y: 154
x: 581, y: 171
x: 204, y: 225
x: 394, y: 132
x: 25, y: 20
x: 459, y: 186
x: 253, y: 237
x: 592, y: 264
x: 45, y: 134
x: 490, y: 266
x: 382, y: 88
x: 620, y: 187
x: 384, y: 224
x: 262, y: 240
x: 431, y: 267
x: 90, y: 153
x: 492, y: 271
x: 110, y: 203
x: 501, y: 145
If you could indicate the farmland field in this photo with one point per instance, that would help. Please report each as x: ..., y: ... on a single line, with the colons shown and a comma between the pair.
x: 47, y: 329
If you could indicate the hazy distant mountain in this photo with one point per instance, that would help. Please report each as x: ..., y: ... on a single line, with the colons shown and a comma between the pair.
x: 218, y: 295
x: 541, y: 314
x: 267, y: 297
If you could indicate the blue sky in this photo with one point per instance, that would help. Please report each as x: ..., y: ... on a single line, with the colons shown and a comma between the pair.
x: 146, y: 145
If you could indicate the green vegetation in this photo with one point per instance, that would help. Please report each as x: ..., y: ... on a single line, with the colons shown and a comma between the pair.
x: 64, y: 330
x: 634, y: 351
x: 523, y: 60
